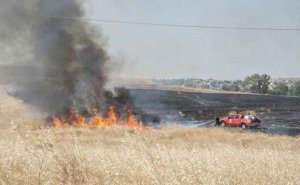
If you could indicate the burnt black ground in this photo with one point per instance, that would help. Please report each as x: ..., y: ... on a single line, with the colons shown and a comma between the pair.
x: 279, y: 114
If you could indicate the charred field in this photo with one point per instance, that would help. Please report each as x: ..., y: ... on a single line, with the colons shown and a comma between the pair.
x: 198, y: 107
x: 280, y: 115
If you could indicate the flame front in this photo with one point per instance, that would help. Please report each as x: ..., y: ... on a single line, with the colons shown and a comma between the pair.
x: 97, y: 120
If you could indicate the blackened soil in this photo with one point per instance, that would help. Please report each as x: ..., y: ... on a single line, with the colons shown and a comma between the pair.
x: 280, y: 115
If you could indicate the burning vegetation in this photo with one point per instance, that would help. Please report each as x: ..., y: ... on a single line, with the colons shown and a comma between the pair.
x: 97, y: 119
x: 69, y: 63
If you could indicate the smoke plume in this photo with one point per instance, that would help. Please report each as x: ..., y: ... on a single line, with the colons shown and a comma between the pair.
x: 66, y: 59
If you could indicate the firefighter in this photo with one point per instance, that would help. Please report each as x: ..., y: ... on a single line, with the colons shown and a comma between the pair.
x: 217, y: 121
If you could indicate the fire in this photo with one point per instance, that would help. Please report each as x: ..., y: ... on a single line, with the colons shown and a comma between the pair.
x: 132, y: 121
x: 97, y: 119
x: 112, y: 116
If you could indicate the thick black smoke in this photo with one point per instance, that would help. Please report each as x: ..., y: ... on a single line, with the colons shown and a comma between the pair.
x: 67, y: 59
x: 72, y: 55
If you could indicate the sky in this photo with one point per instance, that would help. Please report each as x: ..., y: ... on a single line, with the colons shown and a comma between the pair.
x: 153, y: 52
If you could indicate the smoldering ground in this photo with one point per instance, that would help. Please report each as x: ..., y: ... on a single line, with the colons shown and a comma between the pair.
x: 65, y: 61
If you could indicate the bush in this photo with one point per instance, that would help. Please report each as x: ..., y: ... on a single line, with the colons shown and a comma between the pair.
x: 280, y: 88
x: 295, y: 89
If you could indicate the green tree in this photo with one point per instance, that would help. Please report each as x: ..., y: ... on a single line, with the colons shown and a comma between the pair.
x: 231, y: 86
x: 280, y: 88
x: 226, y: 87
x: 295, y: 89
x: 236, y: 85
x: 257, y: 83
x: 251, y: 83
x: 265, y: 82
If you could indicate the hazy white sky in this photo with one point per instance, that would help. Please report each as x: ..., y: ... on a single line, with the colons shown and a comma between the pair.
x: 168, y: 52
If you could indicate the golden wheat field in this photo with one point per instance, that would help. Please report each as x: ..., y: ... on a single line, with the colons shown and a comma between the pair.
x: 32, y: 153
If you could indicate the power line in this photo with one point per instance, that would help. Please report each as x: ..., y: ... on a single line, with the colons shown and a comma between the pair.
x: 175, y: 25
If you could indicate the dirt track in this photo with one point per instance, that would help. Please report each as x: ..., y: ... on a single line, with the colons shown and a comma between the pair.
x: 279, y: 114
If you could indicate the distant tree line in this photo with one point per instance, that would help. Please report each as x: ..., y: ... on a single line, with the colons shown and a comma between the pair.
x: 294, y: 90
x: 261, y: 84
x: 232, y: 86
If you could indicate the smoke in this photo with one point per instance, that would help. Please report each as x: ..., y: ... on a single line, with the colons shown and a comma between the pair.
x: 67, y: 58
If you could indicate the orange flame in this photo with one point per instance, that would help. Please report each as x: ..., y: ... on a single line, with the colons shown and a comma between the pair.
x: 112, y: 116
x: 132, y: 121
x: 59, y: 123
x: 97, y: 120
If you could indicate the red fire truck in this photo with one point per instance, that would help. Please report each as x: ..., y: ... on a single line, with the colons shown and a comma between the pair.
x: 239, y: 120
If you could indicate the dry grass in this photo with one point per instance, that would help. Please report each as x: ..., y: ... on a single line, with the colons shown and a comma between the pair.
x: 167, y: 156
x: 32, y: 155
